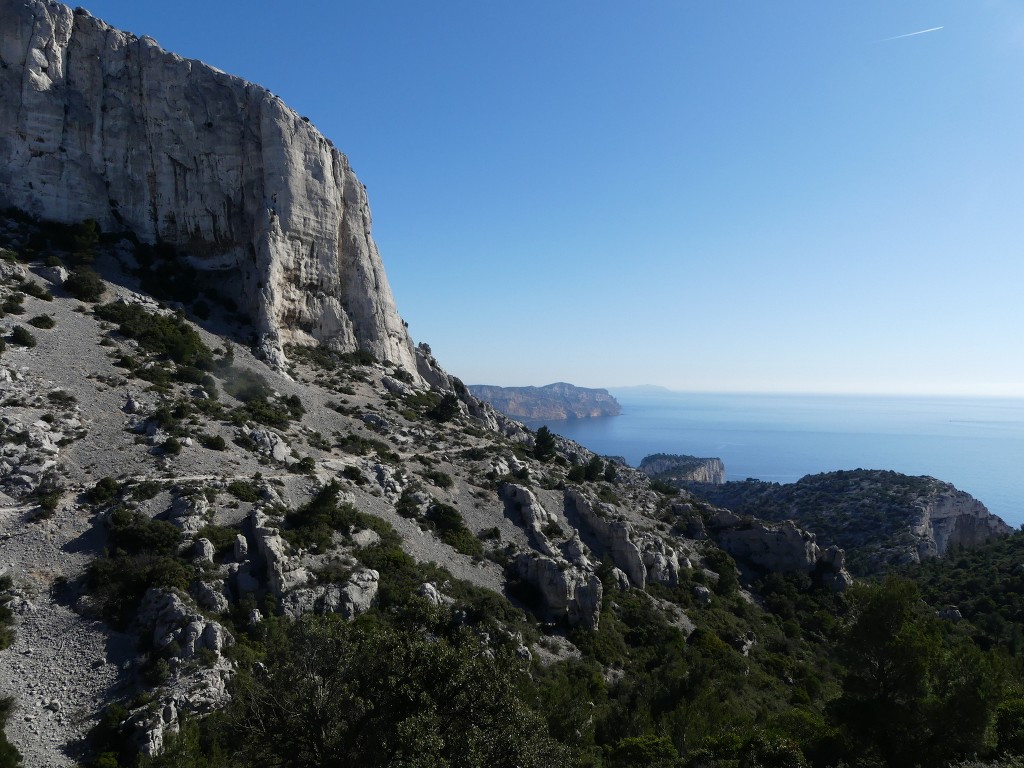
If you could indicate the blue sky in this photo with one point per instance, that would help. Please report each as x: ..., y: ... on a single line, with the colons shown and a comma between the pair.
x: 707, y: 195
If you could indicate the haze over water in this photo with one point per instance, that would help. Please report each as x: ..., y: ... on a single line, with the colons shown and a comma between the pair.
x: 977, y: 444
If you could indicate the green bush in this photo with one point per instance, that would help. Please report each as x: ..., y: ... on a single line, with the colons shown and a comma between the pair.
x: 438, y: 478
x: 213, y: 442
x: 22, y: 337
x: 160, y: 334
x: 245, y: 385
x: 85, y: 285
x: 244, y: 490
x: 10, y: 757
x: 6, y: 614
x: 446, y: 520
x: 104, y: 491
x: 42, y: 321
x: 446, y: 410
x: 544, y: 445
x: 141, y: 554
x: 34, y: 289
x: 222, y: 537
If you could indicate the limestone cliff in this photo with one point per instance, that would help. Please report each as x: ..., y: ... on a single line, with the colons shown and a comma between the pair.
x: 557, y: 401
x: 98, y: 123
x: 681, y: 470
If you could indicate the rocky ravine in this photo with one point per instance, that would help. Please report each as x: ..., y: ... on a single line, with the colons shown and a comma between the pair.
x: 101, y: 124
x: 557, y: 401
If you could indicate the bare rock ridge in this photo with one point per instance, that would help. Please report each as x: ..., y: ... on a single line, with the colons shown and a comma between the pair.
x: 554, y: 401
x: 101, y: 124
x: 680, y: 470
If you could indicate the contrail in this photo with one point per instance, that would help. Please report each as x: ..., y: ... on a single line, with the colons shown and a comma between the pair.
x: 911, y: 34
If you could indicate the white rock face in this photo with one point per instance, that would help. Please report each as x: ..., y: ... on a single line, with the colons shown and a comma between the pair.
x: 567, y: 590
x: 952, y: 518
x: 686, y: 469
x: 97, y: 123
x: 641, y: 555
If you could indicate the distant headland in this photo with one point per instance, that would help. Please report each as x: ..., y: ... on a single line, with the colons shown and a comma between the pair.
x: 559, y: 401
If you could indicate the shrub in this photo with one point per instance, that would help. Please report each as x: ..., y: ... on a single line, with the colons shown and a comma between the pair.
x: 105, y: 490
x: 451, y: 529
x: 313, y: 524
x: 353, y: 474
x: 306, y: 465
x: 10, y: 757
x: 243, y: 490
x: 61, y: 398
x: 6, y: 614
x: 544, y: 445
x: 439, y: 478
x: 33, y: 288
x: 171, y: 447
x: 213, y: 442
x: 245, y: 385
x: 42, y: 321
x: 22, y: 336
x: 222, y: 537
x: 85, y: 285
x: 446, y: 409
x: 141, y: 555
x: 161, y: 334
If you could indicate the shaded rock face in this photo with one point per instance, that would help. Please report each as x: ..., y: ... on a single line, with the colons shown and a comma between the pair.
x: 779, y: 548
x: 680, y: 470
x: 952, y: 518
x: 554, y: 401
x: 100, y: 124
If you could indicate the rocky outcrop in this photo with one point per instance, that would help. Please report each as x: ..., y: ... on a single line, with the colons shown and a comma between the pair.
x: 554, y: 401
x: 350, y: 599
x: 522, y: 504
x: 641, y: 555
x: 950, y: 518
x: 182, y: 634
x: 779, y: 548
x: 681, y: 470
x: 567, y: 590
x: 101, y: 124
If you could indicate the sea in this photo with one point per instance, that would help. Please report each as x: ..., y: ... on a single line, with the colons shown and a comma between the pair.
x: 977, y: 444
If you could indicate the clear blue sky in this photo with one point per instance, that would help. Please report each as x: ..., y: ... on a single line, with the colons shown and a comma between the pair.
x: 703, y: 194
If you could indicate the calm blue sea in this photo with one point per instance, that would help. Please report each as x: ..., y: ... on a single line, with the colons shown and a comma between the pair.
x: 975, y: 443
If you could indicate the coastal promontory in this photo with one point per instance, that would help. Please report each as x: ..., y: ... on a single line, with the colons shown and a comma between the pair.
x: 557, y: 401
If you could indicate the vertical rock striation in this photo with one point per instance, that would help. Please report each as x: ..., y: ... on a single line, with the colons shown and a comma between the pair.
x: 97, y: 123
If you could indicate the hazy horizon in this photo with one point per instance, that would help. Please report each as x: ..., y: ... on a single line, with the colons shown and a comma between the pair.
x: 717, y: 196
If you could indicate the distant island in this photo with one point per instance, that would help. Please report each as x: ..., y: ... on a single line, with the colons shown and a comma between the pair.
x: 559, y: 401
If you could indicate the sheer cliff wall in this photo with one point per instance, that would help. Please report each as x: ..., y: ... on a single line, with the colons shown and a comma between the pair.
x: 98, y: 123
